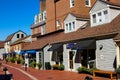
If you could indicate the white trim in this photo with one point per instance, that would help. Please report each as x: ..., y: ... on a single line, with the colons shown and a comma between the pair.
x: 102, y: 17
x: 72, y: 3
x: 89, y: 3
x: 68, y: 29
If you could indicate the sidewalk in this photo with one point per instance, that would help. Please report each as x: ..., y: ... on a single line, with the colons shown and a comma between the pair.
x: 48, y: 74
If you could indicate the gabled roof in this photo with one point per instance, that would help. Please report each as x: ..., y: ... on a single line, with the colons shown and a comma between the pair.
x: 110, y: 3
x: 11, y: 36
x: 22, y: 40
x: 89, y: 32
x: 78, y: 16
x: 104, y: 4
x: 2, y: 44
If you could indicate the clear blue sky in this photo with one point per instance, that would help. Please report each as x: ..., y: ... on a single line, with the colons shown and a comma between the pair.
x: 17, y: 15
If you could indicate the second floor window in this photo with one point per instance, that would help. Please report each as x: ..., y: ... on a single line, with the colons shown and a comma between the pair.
x: 106, y: 14
x: 22, y: 35
x: 43, y: 30
x: 58, y: 23
x: 18, y: 36
x: 87, y: 2
x: 94, y: 18
x: 69, y: 27
x: 99, y: 17
x: 72, y: 3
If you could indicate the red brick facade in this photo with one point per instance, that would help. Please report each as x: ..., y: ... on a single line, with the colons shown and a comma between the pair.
x: 59, y: 10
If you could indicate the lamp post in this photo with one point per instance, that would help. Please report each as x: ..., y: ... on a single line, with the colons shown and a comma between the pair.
x: 5, y: 69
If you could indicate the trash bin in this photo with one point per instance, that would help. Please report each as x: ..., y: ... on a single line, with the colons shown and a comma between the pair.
x: 47, y: 65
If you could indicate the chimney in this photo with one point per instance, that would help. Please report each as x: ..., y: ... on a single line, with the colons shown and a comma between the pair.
x: 42, y: 5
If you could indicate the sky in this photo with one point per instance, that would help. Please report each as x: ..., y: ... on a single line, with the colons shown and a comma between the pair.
x: 17, y: 15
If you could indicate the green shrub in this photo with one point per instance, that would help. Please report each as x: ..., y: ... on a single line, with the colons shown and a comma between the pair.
x: 86, y: 70
x: 33, y: 64
x: 61, y: 67
x: 18, y: 61
x: 82, y: 69
x: 12, y: 60
x: 118, y: 70
x: 39, y: 65
x: 22, y: 62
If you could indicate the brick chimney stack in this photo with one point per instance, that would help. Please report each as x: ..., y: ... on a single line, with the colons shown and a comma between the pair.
x: 42, y: 5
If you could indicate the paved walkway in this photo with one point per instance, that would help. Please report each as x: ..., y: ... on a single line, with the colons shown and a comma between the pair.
x: 32, y: 74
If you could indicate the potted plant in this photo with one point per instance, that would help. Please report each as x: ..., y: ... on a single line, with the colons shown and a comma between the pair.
x: 61, y: 67
x: 18, y: 61
x: 118, y: 72
x: 39, y: 65
x: 33, y: 64
x: 23, y: 62
x: 55, y: 67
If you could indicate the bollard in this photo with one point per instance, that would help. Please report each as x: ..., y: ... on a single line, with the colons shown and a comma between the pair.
x: 25, y: 67
x: 5, y: 69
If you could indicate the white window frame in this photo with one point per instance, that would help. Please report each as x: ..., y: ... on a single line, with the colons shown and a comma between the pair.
x: 94, y: 20
x: 72, y: 3
x: 89, y: 3
x: 68, y: 28
x: 40, y: 17
x: 58, y: 23
x: 100, y: 19
x: 104, y: 18
x: 105, y: 15
x: 43, y: 30
x: 44, y: 15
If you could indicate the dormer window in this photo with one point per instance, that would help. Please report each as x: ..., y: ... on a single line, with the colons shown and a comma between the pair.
x: 87, y: 2
x: 70, y: 26
x: 18, y: 36
x: 99, y: 17
x: 94, y: 18
x: 106, y: 14
x: 71, y: 3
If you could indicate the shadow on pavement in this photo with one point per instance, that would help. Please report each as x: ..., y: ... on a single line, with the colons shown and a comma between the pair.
x: 6, y: 77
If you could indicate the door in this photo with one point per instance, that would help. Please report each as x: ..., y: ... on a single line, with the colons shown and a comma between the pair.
x: 71, y: 54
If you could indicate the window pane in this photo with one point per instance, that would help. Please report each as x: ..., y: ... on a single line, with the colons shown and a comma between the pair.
x: 71, y: 3
x: 22, y: 35
x: 99, y: 17
x: 105, y: 14
x: 73, y: 23
x: 17, y: 35
x: 67, y: 27
x: 87, y: 2
x: 94, y: 18
x: 70, y: 28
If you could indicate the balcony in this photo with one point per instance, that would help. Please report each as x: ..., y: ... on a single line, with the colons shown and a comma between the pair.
x: 39, y: 19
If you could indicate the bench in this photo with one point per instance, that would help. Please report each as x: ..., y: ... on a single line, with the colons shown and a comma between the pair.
x: 104, y: 72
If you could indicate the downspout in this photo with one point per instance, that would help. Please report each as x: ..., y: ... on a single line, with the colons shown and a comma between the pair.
x: 55, y: 14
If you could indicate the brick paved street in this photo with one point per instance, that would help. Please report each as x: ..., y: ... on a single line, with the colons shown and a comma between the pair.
x: 45, y: 74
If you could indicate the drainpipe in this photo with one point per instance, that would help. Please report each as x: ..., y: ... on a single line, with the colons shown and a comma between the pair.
x: 55, y: 15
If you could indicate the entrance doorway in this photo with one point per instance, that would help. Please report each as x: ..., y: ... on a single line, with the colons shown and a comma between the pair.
x: 88, y: 58
x: 71, y: 54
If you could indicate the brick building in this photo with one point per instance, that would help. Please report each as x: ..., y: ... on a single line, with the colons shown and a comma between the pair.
x: 77, y: 33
